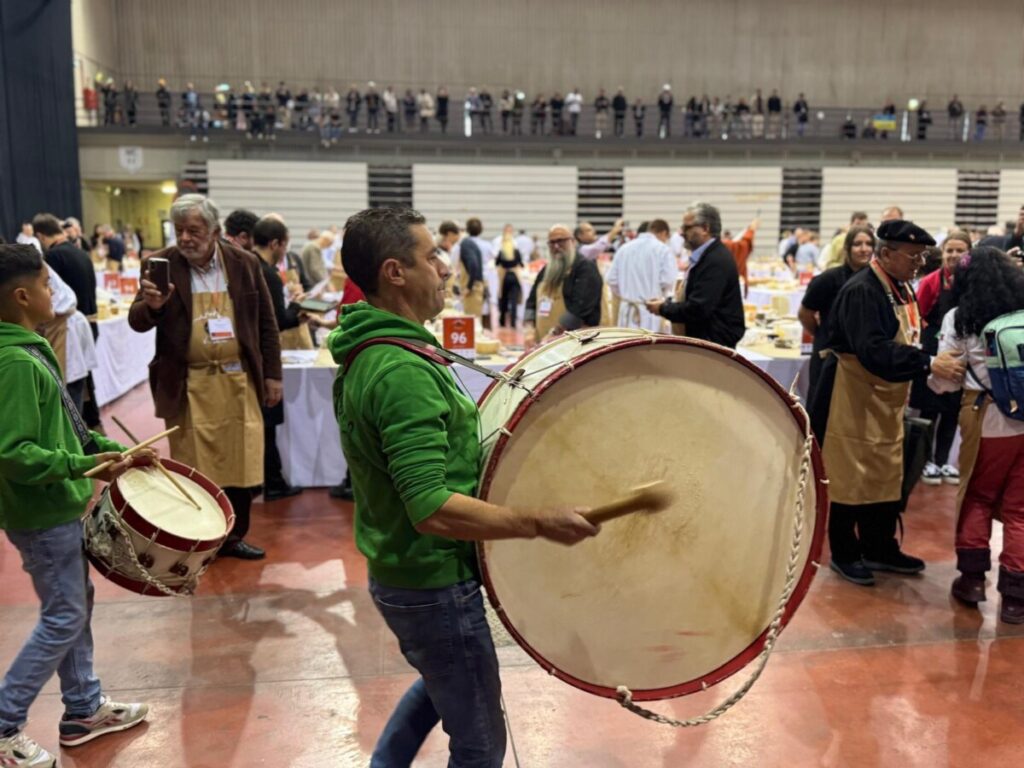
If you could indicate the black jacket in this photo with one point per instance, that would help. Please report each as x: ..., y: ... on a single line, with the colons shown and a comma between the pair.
x: 712, y: 306
x: 582, y: 290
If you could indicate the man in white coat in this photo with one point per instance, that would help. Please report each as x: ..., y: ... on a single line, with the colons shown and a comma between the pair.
x: 643, y: 269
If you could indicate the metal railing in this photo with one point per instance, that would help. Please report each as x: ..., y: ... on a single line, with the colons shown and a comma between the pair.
x: 826, y: 123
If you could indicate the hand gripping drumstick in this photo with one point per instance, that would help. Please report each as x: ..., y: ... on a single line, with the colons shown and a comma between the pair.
x: 652, y: 497
x: 144, y: 444
x: 159, y: 465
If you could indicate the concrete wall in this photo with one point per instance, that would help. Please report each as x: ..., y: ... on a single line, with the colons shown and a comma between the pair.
x: 839, y: 53
x: 94, y: 42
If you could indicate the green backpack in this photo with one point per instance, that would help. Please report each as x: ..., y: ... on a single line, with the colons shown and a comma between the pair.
x: 1003, y: 338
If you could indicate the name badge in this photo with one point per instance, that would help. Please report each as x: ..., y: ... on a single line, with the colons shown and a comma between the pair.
x: 544, y: 308
x: 235, y: 367
x: 220, y: 329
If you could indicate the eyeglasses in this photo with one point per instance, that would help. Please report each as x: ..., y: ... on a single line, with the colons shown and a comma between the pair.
x: 920, y: 256
x: 559, y: 241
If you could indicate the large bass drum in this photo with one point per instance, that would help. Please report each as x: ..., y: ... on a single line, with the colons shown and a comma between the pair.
x: 663, y: 603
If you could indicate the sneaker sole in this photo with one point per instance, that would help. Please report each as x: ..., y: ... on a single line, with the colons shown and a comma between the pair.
x: 859, y: 582
x: 931, y: 480
x: 103, y: 732
x: 951, y: 480
x: 873, y: 566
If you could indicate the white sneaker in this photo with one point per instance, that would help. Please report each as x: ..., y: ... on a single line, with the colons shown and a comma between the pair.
x: 932, y: 475
x: 19, y: 751
x: 950, y: 474
x: 111, y: 717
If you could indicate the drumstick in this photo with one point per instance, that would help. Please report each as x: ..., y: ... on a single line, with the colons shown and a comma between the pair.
x: 144, y: 444
x: 652, y: 497
x: 159, y: 465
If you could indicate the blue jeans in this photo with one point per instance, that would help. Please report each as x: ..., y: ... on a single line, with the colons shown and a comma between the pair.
x: 62, y: 640
x: 443, y: 633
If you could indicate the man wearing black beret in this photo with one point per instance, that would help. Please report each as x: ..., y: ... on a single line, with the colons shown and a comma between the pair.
x: 871, y: 356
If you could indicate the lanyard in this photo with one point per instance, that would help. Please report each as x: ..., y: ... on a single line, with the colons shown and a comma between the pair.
x: 219, y: 280
x: 896, y: 297
x: 77, y: 423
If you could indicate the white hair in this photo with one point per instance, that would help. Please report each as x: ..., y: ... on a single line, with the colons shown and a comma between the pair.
x: 186, y: 204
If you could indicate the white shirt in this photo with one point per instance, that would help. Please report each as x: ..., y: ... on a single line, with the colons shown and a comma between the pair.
x: 994, y: 423
x: 525, y: 245
x: 24, y: 239
x: 676, y: 244
x: 643, y: 269
x: 80, y: 352
x: 574, y: 102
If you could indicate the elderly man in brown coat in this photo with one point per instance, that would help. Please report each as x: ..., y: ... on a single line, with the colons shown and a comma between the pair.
x: 218, y: 356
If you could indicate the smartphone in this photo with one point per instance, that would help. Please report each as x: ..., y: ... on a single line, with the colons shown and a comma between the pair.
x: 316, y: 306
x: 158, y: 272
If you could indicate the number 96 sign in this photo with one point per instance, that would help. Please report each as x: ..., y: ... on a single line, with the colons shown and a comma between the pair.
x: 459, y: 335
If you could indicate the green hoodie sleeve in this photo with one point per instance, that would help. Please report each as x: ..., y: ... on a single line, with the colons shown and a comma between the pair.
x: 411, y: 412
x: 23, y: 457
x: 106, y: 445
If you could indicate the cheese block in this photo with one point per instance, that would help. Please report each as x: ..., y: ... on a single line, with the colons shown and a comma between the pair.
x: 487, y: 346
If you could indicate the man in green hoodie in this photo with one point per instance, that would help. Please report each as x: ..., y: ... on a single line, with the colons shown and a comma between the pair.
x: 45, y: 449
x: 412, y: 440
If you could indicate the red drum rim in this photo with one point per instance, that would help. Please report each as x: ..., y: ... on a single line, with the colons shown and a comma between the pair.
x: 147, y: 530
x: 752, y: 651
x: 132, y: 585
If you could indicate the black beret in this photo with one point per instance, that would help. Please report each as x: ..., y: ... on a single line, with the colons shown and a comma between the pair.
x: 900, y: 231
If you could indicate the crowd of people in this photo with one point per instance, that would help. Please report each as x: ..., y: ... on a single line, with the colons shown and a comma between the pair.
x: 261, y: 112
x: 897, y: 315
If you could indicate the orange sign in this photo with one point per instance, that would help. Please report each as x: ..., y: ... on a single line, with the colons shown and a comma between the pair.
x: 460, y: 335
x: 806, y: 277
x: 806, y: 343
x: 112, y: 282
x: 129, y: 286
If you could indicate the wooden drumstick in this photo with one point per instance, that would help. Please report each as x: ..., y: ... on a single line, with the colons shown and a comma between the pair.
x: 652, y: 497
x: 159, y: 465
x: 144, y: 444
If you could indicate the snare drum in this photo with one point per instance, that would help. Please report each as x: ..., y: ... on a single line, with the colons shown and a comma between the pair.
x: 145, y: 536
x: 663, y: 603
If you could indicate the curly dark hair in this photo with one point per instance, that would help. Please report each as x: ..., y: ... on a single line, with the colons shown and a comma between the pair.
x: 988, y: 285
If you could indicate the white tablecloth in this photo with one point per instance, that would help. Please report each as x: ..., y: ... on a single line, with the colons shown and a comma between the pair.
x: 762, y: 297
x: 309, y: 442
x: 123, y: 358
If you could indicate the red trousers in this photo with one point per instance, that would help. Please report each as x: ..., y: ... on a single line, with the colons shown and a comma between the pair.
x: 997, y: 483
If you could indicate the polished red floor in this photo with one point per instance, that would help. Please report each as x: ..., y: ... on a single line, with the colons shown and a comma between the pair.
x: 286, y: 663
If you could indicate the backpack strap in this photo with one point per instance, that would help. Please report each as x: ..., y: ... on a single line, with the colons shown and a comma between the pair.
x: 426, y: 351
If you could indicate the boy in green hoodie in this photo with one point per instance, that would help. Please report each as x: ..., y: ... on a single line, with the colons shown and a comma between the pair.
x: 45, y: 449
x: 412, y: 441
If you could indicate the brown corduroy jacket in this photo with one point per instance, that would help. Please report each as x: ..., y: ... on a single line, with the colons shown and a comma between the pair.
x: 255, y: 327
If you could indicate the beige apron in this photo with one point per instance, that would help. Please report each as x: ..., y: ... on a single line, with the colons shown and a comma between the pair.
x: 221, y: 427
x: 863, y: 450
x: 56, y: 332
x: 299, y: 336
x: 549, y: 320
x: 472, y: 300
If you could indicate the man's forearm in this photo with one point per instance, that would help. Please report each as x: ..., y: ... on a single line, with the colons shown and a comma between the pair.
x: 463, y: 517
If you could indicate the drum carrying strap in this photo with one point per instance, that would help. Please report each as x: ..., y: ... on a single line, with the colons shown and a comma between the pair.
x: 81, y: 430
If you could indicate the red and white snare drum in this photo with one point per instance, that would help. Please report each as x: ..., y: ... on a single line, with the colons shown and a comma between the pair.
x: 145, y: 536
x: 665, y: 603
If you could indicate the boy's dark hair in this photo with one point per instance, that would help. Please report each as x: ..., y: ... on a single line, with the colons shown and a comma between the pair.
x: 659, y: 226
x: 18, y: 262
x: 267, y: 230
x: 448, y: 228
x: 240, y: 221
x: 372, y: 237
x: 47, y: 224
x: 474, y: 227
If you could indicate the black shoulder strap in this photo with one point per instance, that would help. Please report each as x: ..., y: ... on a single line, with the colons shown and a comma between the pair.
x: 78, y: 424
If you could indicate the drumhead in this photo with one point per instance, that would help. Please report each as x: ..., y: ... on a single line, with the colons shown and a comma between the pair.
x: 155, y: 498
x: 670, y: 602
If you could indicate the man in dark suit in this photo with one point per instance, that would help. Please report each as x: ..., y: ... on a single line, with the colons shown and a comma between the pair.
x: 712, y: 304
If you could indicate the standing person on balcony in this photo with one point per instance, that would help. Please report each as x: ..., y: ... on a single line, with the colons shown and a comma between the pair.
x: 410, y: 109
x: 665, y: 102
x: 924, y: 120
x: 131, y: 102
x: 803, y: 114
x: 757, y: 115
x: 601, y: 105
x: 486, y: 107
x: 442, y: 108
x: 391, y: 108
x: 980, y: 123
x: 109, y: 91
x: 557, y: 118
x: 425, y: 105
x: 538, y: 115
x: 774, y: 115
x: 619, y: 107
x: 163, y: 102
x: 639, y: 112
x: 574, y: 105
x: 518, y: 108
x: 955, y: 113
x: 353, y: 103
x: 999, y: 121
x: 505, y: 105
x: 372, y: 108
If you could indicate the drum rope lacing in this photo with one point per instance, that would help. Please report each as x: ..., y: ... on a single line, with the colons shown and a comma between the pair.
x: 625, y: 696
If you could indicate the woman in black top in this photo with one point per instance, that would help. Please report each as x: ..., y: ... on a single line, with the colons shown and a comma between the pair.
x: 858, y: 248
x: 509, y: 263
